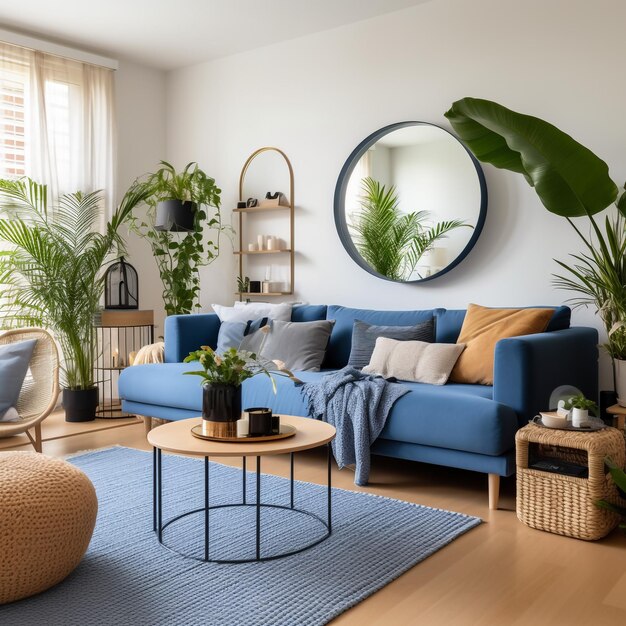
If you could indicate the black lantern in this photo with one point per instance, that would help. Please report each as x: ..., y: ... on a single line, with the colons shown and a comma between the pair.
x: 121, y: 286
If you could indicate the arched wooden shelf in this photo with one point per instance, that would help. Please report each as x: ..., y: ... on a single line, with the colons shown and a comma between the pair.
x: 242, y: 253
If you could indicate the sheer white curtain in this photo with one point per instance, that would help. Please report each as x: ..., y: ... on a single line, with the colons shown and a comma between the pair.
x: 57, y: 122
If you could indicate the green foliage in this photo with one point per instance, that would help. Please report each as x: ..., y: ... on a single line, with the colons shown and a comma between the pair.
x: 190, y: 185
x: 619, y: 478
x: 234, y: 366
x: 598, y: 275
x: 390, y: 241
x: 580, y: 402
x: 243, y: 284
x: 570, y: 181
x: 180, y: 255
x: 50, y: 275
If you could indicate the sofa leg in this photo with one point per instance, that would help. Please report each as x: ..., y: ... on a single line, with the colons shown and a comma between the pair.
x: 147, y: 422
x: 494, y: 491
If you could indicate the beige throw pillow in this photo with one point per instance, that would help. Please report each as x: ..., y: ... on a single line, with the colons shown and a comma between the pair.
x: 416, y: 361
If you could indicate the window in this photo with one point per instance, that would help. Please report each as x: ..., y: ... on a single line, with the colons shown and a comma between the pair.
x: 56, y: 122
x: 13, y: 85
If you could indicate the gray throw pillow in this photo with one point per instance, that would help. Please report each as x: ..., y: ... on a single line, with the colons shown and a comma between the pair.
x: 364, y: 338
x: 14, y: 361
x: 239, y: 335
x: 300, y: 345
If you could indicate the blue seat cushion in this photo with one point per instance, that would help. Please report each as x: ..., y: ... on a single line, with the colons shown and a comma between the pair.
x: 460, y: 417
x: 162, y: 384
x: 456, y: 416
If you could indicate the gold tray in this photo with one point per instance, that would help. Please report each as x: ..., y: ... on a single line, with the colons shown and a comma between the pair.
x: 285, y: 431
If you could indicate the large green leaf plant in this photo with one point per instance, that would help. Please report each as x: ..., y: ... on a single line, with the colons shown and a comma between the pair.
x: 571, y: 181
x: 51, y: 266
x: 390, y: 241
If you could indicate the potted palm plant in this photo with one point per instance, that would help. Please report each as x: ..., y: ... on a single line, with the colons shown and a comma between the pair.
x: 390, y: 241
x: 50, y: 275
x: 571, y: 181
x: 176, y: 226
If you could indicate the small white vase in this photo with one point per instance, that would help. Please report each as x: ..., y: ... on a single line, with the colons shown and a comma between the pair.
x: 620, y: 381
x: 579, y: 417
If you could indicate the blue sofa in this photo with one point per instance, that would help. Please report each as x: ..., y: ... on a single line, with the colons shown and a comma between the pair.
x: 470, y: 427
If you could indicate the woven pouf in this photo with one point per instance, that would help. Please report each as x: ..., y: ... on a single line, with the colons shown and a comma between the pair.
x: 47, y: 514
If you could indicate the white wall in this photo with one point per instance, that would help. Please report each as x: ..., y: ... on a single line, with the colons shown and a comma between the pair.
x: 317, y: 97
x: 140, y: 94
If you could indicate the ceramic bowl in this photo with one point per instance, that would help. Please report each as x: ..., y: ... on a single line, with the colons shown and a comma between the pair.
x: 552, y: 420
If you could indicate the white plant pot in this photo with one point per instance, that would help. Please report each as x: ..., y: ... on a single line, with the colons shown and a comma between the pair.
x: 620, y: 381
x: 579, y: 417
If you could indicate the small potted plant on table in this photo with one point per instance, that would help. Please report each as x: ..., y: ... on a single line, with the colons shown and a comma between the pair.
x: 222, y: 377
x: 580, y: 407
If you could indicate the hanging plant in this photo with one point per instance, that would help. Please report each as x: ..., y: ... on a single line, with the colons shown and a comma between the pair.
x: 181, y: 243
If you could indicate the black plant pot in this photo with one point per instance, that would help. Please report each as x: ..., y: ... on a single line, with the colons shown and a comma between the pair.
x: 80, y: 404
x: 221, y: 403
x: 221, y: 408
x: 175, y: 215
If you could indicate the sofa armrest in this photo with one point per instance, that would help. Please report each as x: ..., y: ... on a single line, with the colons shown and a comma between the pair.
x: 527, y: 369
x: 185, y: 333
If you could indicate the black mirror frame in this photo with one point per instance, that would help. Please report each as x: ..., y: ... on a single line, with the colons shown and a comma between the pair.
x: 340, y: 202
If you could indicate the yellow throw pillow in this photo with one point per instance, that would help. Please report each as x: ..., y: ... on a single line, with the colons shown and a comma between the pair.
x: 482, y: 329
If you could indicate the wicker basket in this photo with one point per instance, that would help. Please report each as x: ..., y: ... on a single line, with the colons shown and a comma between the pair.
x: 563, y: 504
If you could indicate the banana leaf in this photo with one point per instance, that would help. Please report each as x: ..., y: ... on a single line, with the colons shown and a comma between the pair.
x: 569, y: 179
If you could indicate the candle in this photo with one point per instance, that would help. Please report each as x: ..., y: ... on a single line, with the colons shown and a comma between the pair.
x: 260, y: 241
x: 271, y: 243
x: 252, y: 247
x: 243, y: 428
x: 115, y: 359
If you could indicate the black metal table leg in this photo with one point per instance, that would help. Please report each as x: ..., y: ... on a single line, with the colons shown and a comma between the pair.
x: 291, y: 476
x: 206, y: 508
x: 258, y: 508
x: 243, y: 471
x: 159, y: 495
x: 329, y: 458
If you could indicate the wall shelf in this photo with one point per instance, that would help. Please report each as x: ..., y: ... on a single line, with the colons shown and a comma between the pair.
x: 256, y: 293
x: 258, y: 209
x: 289, y: 252
x: 284, y: 251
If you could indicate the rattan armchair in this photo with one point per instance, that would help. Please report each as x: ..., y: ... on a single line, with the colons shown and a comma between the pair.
x: 40, y: 390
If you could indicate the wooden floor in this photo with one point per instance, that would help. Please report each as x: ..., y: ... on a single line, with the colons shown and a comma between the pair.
x: 497, y: 574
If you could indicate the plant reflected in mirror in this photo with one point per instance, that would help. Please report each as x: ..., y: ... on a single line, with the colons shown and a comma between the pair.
x: 390, y: 241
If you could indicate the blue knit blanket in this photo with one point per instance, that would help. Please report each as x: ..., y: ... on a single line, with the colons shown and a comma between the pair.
x: 357, y: 405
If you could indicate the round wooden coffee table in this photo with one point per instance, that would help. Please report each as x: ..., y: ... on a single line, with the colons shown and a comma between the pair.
x: 176, y: 437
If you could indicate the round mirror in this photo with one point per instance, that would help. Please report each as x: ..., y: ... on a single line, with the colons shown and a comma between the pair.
x: 410, y: 202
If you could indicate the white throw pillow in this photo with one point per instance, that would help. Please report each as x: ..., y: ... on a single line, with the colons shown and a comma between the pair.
x: 253, y: 311
x: 416, y: 361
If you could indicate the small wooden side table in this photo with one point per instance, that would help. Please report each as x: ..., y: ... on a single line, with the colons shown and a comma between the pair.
x: 552, y: 500
x: 619, y: 415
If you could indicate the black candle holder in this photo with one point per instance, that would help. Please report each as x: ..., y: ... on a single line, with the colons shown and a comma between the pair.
x: 260, y: 421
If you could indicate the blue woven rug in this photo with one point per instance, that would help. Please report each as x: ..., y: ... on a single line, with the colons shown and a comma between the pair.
x: 127, y: 578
